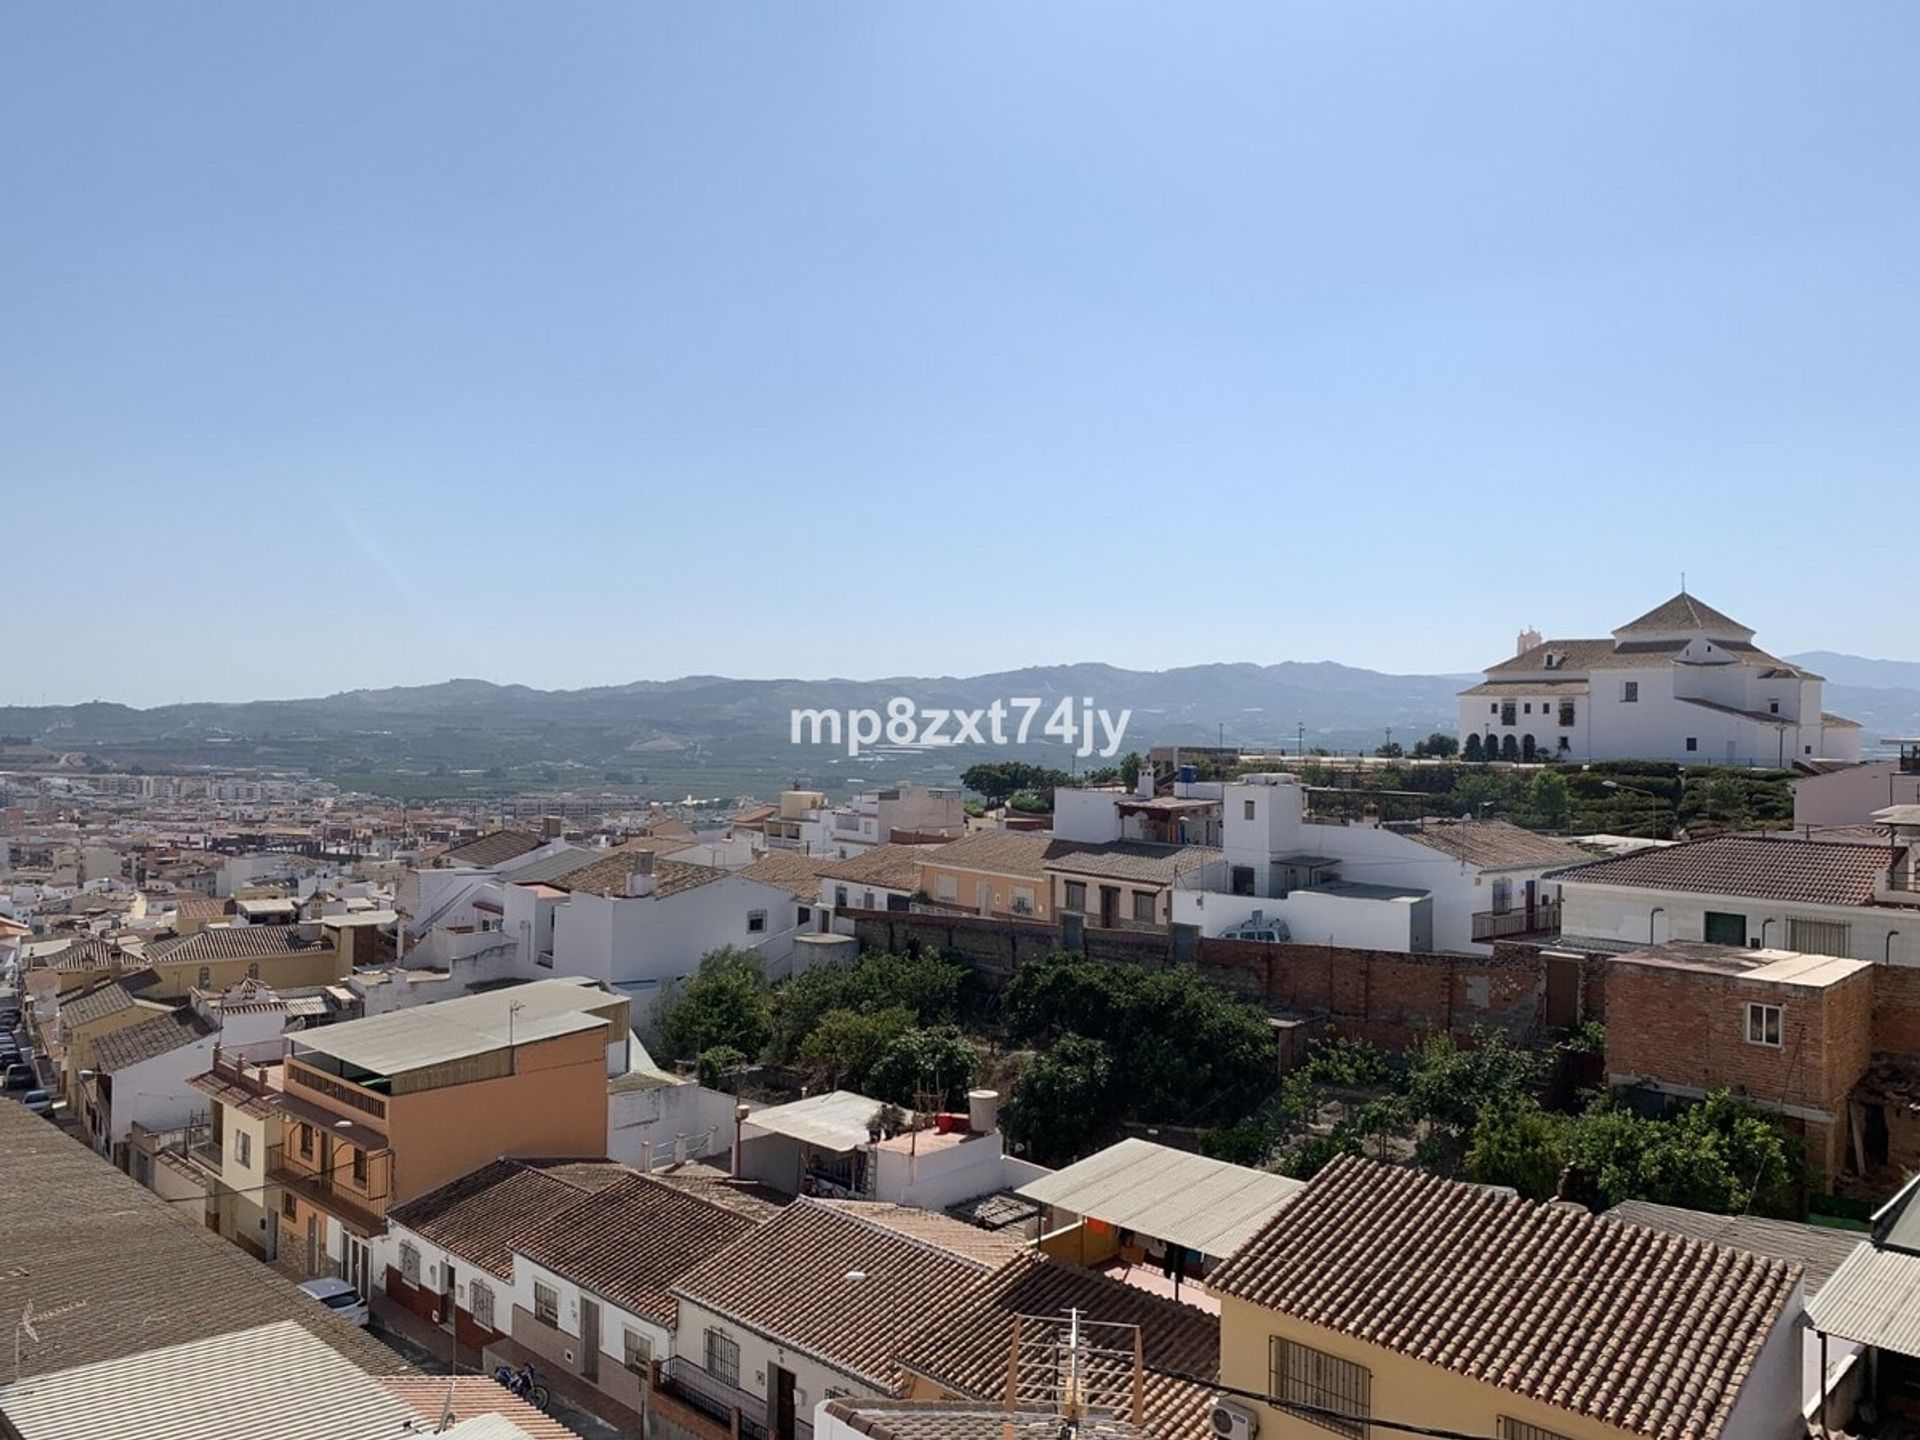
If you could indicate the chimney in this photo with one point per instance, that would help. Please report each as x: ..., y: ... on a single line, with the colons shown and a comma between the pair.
x: 640, y: 878
x: 740, y: 1113
x: 680, y: 1149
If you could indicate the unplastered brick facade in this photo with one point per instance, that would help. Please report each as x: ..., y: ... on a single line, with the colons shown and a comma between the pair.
x: 1686, y: 1028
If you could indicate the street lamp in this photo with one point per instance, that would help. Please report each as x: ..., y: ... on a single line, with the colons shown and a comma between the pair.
x: 1659, y: 800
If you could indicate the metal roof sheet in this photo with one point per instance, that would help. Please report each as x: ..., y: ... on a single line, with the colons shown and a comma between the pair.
x: 273, y: 1379
x: 1193, y: 1200
x: 413, y: 1039
x: 1873, y: 1298
x: 834, y: 1121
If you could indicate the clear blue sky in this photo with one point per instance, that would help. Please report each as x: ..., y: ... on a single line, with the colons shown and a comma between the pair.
x: 367, y: 344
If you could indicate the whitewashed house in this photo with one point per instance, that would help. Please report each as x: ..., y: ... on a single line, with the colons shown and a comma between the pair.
x: 1683, y: 682
x: 1450, y: 886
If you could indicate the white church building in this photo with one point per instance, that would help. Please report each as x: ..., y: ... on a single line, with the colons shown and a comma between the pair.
x: 1683, y: 682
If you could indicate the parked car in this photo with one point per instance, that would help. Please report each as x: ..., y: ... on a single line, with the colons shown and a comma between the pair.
x: 341, y: 1298
x: 38, y: 1101
x: 19, y: 1077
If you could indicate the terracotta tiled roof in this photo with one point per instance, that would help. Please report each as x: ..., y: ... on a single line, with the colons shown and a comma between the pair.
x: 631, y: 1242
x: 788, y: 869
x: 1134, y: 860
x: 200, y: 907
x: 472, y: 1395
x: 1495, y: 845
x: 966, y: 1351
x: 1816, y: 1249
x: 238, y: 942
x: 970, y: 1242
x: 85, y: 955
x: 834, y: 1286
x: 1763, y: 869
x: 715, y: 1186
x: 1685, y: 612
x: 888, y: 867
x: 609, y: 876
x: 888, y: 1419
x: 1641, y: 1329
x: 484, y: 1215
x: 493, y: 848
x: 998, y: 852
x: 98, y: 1002
x: 121, y: 1048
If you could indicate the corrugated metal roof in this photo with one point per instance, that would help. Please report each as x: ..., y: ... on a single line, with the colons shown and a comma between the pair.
x: 1873, y: 1298
x: 270, y: 1380
x: 404, y: 1040
x: 1204, y: 1204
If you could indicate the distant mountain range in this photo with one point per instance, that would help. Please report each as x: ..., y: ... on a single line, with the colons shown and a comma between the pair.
x: 709, y: 734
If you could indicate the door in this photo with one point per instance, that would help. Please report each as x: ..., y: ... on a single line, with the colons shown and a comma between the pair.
x: 1109, y: 906
x: 313, y: 1244
x: 1725, y: 928
x: 447, y: 1292
x: 779, y: 1403
x: 1563, y: 992
x: 589, y: 1339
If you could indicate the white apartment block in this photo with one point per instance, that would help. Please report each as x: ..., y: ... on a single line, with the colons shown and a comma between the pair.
x: 1683, y: 682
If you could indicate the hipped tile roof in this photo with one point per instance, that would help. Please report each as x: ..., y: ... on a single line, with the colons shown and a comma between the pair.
x: 1638, y: 1328
x: 121, y: 1048
x: 889, y: 867
x: 790, y: 870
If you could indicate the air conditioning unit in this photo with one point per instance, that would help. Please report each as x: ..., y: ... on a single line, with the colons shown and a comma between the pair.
x: 1233, y: 1421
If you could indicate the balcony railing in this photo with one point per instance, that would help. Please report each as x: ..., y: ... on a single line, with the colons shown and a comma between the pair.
x: 361, y: 1201
x: 1543, y: 917
x: 715, y: 1398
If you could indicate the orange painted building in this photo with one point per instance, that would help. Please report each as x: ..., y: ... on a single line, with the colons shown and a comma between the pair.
x: 383, y: 1109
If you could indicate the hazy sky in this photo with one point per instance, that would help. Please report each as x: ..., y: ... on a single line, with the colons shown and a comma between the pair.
x: 368, y: 344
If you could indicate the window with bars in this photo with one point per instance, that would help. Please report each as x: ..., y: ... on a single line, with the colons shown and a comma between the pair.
x: 723, y: 1357
x: 1512, y: 1429
x: 410, y: 1262
x: 480, y: 1303
x: 289, y: 1206
x: 546, y: 1304
x: 306, y: 1142
x: 1144, y: 906
x: 1321, y: 1389
x: 1818, y: 937
x: 636, y: 1351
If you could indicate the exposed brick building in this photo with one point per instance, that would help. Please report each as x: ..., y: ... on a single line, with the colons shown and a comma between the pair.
x: 1792, y: 1033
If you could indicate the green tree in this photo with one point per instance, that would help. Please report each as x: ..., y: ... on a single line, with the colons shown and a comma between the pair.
x: 1061, y: 1102
x: 1509, y: 748
x: 1476, y: 789
x: 1450, y: 1086
x: 1522, y: 1146
x: 1549, y: 799
x: 1719, y: 1155
x: 1130, y: 764
x: 845, y: 1045
x: 724, y: 1003
x: 938, y: 1060
x: 927, y: 985
x: 1440, y: 745
x: 1472, y: 753
x: 713, y: 1065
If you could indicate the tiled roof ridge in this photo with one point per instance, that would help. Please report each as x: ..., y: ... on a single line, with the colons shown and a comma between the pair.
x: 881, y: 1228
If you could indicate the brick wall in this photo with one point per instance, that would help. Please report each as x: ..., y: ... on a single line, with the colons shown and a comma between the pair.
x: 1896, y: 1010
x: 1376, y: 995
x: 1687, y: 1028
